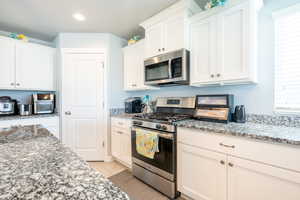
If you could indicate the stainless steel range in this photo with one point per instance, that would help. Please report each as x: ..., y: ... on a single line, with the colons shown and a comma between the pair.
x: 160, y: 172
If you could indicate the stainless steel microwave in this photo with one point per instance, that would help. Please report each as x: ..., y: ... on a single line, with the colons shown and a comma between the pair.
x: 170, y: 68
x: 43, y: 103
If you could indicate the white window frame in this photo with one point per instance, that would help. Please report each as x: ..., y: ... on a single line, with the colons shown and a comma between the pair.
x: 276, y: 15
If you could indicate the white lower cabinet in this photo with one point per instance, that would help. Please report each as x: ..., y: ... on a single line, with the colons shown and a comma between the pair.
x: 121, y: 140
x: 50, y: 123
x: 201, y: 173
x: 208, y: 172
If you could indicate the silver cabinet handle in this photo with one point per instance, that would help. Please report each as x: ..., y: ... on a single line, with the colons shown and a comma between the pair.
x: 222, y: 162
x: 230, y: 164
x: 133, y: 85
x: 68, y: 113
x: 120, y: 132
x: 120, y: 123
x: 227, y: 146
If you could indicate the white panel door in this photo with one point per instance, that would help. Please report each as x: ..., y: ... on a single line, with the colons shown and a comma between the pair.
x: 174, y: 34
x: 7, y: 63
x: 201, y: 173
x: 232, y: 43
x: 203, y: 51
x: 249, y: 180
x: 82, y: 104
x: 34, y: 66
x: 154, y: 40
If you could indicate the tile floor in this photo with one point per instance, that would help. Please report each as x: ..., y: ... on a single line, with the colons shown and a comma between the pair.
x: 108, y: 169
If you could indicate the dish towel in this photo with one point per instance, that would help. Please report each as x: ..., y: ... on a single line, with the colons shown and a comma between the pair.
x: 146, y: 143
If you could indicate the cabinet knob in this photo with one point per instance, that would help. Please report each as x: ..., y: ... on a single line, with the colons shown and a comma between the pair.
x: 18, y: 84
x: 230, y: 164
x: 218, y: 75
x: 12, y: 84
x: 212, y: 76
x: 163, y: 49
x: 159, y: 50
x: 120, y: 132
x: 68, y: 113
x: 222, y: 162
x: 133, y: 85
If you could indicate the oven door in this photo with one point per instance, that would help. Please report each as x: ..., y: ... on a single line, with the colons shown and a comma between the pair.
x: 164, y: 159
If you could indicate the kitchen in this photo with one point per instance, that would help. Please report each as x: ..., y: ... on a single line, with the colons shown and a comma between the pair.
x: 186, y: 99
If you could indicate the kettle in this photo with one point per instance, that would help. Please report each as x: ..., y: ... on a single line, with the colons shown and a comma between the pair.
x: 239, y: 115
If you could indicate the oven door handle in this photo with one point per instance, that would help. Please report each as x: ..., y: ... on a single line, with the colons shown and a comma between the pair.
x: 169, y: 136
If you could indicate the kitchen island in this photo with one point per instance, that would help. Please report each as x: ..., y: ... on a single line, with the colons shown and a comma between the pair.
x: 35, y: 165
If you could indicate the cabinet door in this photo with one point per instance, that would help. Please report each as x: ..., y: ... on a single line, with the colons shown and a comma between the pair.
x: 154, y: 40
x: 34, y: 66
x: 203, y: 51
x: 7, y: 63
x: 134, y: 66
x: 126, y: 148
x: 201, y: 173
x: 115, y: 143
x: 174, y: 36
x: 233, y: 43
x: 249, y: 180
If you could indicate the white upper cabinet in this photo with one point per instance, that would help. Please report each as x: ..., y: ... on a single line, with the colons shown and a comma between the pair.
x: 168, y: 30
x: 133, y: 56
x: 34, y: 66
x: 26, y: 66
x: 229, y: 55
x: 7, y: 63
x: 204, y: 45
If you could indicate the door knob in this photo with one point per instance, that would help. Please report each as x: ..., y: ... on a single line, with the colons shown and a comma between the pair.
x: 68, y: 113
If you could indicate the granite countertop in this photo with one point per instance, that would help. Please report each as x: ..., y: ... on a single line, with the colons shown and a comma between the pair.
x: 263, y: 132
x: 35, y: 165
x: 16, y: 117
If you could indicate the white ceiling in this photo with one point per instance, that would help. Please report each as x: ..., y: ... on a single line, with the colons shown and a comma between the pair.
x: 43, y: 19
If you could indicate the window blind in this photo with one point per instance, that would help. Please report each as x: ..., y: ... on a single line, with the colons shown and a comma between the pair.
x: 287, y: 61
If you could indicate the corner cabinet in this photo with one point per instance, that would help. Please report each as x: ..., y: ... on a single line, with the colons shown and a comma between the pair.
x: 133, y: 57
x: 168, y: 30
x: 215, y: 167
x: 224, y: 44
x: 26, y: 66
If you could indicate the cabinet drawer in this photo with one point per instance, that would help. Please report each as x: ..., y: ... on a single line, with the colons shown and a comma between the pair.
x: 200, y: 139
x: 120, y: 131
x: 121, y: 123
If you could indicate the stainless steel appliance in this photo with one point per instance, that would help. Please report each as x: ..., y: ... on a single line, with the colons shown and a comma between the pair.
x: 7, y: 106
x: 43, y: 103
x: 170, y: 68
x: 25, y: 109
x: 160, y: 172
x: 133, y: 105
x: 214, y: 108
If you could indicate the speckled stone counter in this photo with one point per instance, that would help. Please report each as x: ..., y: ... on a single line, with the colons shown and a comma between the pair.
x: 124, y: 115
x: 264, y: 132
x: 16, y: 117
x: 35, y: 165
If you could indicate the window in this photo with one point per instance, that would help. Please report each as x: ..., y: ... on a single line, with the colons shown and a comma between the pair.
x: 287, y: 59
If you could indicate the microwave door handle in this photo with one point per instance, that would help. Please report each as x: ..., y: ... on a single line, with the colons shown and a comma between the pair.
x: 170, y: 69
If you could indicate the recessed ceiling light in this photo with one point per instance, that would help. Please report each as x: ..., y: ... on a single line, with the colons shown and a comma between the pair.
x: 79, y: 16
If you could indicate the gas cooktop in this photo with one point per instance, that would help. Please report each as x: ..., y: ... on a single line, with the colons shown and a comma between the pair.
x: 162, y: 117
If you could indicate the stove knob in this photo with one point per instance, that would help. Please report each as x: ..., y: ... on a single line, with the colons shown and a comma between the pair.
x: 158, y: 126
x: 164, y: 128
